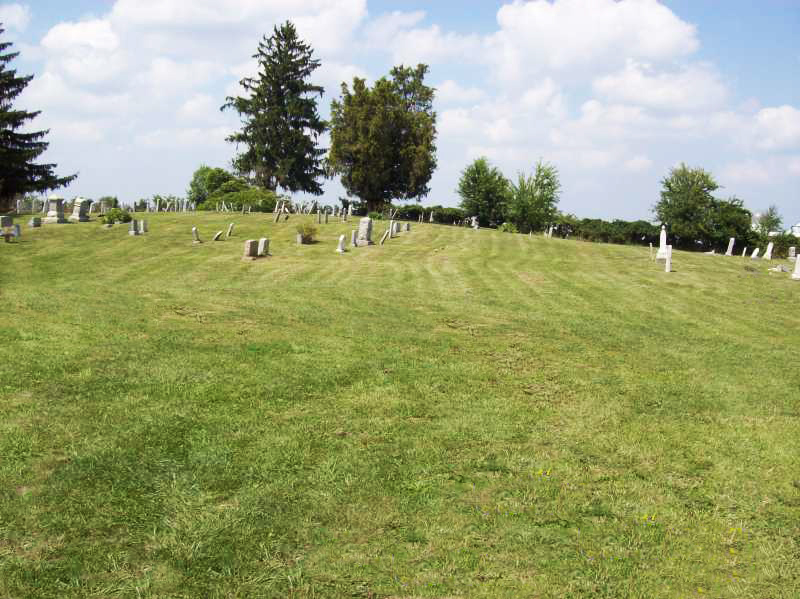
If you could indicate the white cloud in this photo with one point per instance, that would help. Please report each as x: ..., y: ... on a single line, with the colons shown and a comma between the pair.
x: 693, y: 87
x: 450, y: 92
x: 573, y: 34
x: 15, y: 16
x: 778, y: 128
x: 637, y: 164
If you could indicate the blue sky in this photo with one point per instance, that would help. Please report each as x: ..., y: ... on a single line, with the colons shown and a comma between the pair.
x: 613, y: 93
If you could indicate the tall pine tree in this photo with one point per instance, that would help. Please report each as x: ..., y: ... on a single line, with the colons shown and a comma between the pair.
x: 280, y: 122
x: 18, y: 150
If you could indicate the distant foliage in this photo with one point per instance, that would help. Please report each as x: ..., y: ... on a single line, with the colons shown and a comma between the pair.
x: 782, y: 243
x: 695, y: 219
x: 508, y: 228
x: 533, y: 200
x: 769, y: 221
x: 205, y: 181
x: 484, y: 192
x: 375, y: 215
x: 116, y: 215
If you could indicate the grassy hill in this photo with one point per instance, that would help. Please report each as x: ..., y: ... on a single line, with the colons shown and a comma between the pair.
x: 454, y: 414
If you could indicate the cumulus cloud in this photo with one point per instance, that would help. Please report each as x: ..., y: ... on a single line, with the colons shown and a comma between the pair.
x: 15, y: 16
x: 778, y: 128
x: 692, y: 87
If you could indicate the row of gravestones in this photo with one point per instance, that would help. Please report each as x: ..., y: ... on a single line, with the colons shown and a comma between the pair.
x: 665, y: 253
x: 362, y: 237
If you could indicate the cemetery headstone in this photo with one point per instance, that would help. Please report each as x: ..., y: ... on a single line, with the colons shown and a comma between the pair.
x: 230, y: 231
x: 299, y: 239
x: 792, y: 252
x: 263, y: 246
x: 744, y: 252
x: 730, y: 247
x: 217, y: 236
x: 133, y: 228
x: 430, y: 220
x: 407, y: 227
x: 796, y: 273
x: 326, y: 217
x: 55, y: 211
x: 651, y: 250
x: 385, y: 235
x: 755, y: 254
x: 662, y: 244
x: 353, y: 238
x: 143, y: 226
x: 340, y: 248
x: 250, y: 250
x: 319, y: 217
x: 474, y: 222
x: 16, y: 231
x: 35, y: 222
x: 668, y: 259
x: 391, y: 229
x: 6, y: 221
x: 195, y: 236
x: 364, y: 236
x: 768, y: 253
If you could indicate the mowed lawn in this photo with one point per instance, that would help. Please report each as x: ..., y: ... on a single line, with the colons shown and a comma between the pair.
x: 454, y: 414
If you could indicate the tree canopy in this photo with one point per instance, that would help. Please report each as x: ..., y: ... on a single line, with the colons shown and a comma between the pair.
x: 769, y: 221
x: 19, y: 173
x: 484, y: 192
x: 280, y: 123
x: 383, y: 138
x: 694, y: 215
x: 532, y: 203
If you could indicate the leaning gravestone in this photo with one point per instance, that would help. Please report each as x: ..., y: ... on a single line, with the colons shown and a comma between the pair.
x: 55, y: 211
x: 230, y: 231
x: 744, y: 252
x: 80, y: 210
x: 263, y: 246
x: 133, y: 228
x: 217, y: 236
x: 755, y: 254
x: 662, y: 244
x: 796, y: 273
x: 430, y: 220
x: 340, y: 247
x: 730, y: 247
x: 385, y: 235
x: 250, y: 250
x: 195, y: 236
x: 35, y: 222
x: 768, y: 253
x: 364, y: 236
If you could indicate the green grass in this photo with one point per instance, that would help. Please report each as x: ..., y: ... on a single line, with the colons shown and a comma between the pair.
x: 454, y: 414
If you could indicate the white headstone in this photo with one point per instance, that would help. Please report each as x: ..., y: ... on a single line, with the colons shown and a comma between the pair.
x: 744, y: 252
x: 217, y: 236
x: 133, y: 228
x: 662, y: 244
x: 755, y: 254
x: 55, y: 210
x: 768, y: 253
x: 668, y: 259
x: 730, y: 247
x: 230, y: 231
x: 384, y: 236
x: 391, y: 229
x: 364, y: 236
x: 263, y: 246
x: 474, y: 222
x: 651, y: 250
x: 407, y: 227
x: 340, y: 248
x: 796, y: 273
x: 354, y: 238
x: 195, y: 236
x: 792, y: 252
x: 430, y: 220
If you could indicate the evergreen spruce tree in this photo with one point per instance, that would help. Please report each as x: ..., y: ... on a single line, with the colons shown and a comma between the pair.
x: 280, y: 122
x: 19, y: 173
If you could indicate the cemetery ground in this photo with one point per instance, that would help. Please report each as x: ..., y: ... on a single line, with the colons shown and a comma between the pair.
x: 454, y: 414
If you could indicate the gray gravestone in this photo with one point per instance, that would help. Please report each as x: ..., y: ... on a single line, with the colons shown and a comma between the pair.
x: 364, y: 236
x: 250, y: 250
x: 16, y: 231
x: 662, y: 244
x: 730, y: 247
x: 80, y: 210
x: 133, y: 228
x: 340, y: 247
x: 263, y: 246
x: 796, y: 273
x: 407, y: 227
x: 55, y: 211
x: 768, y: 253
x: 668, y: 259
x: 792, y: 252
x: 385, y: 235
x: 755, y: 254
x: 354, y: 238
x: 6, y: 221
x: 35, y: 222
x: 217, y: 236
x: 143, y: 226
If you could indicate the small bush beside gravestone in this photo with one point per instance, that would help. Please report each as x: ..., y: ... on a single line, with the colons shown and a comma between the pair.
x: 116, y: 215
x: 306, y: 233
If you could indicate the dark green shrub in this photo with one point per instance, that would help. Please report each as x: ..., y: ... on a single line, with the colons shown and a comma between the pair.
x: 375, y: 215
x: 307, y: 232
x: 116, y: 215
x: 508, y: 228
